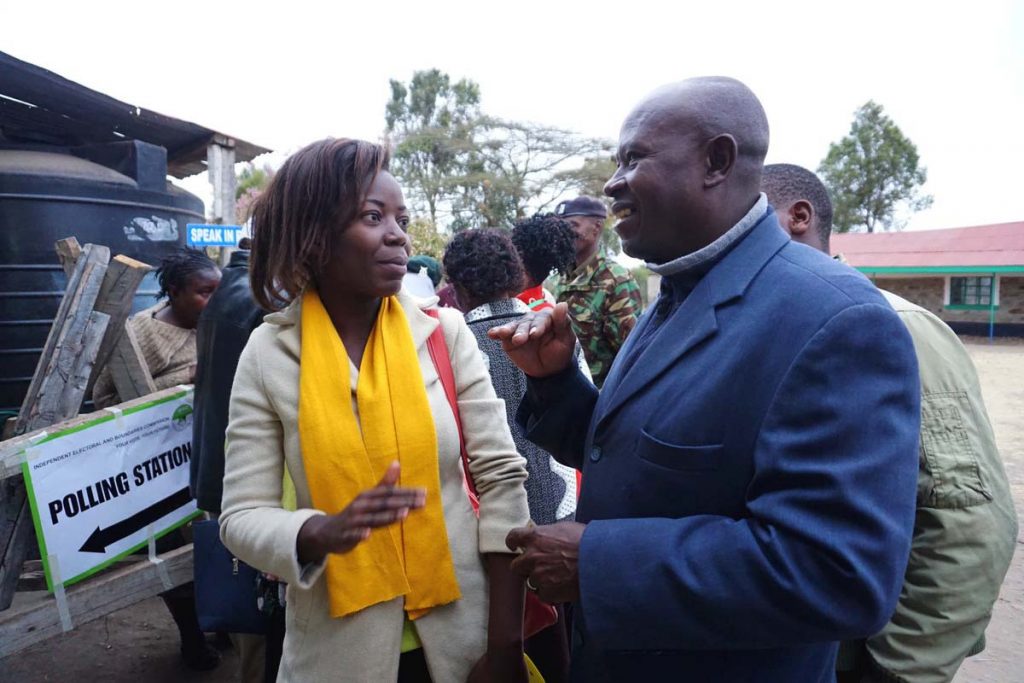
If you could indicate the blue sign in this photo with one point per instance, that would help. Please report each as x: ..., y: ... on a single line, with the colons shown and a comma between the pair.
x: 201, y: 235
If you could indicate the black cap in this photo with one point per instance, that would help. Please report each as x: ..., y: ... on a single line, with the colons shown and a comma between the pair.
x: 581, y: 206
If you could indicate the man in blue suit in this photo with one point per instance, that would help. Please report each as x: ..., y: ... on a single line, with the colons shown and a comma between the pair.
x: 750, y: 464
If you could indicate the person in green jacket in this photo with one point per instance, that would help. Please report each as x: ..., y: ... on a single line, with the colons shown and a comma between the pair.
x: 966, y: 527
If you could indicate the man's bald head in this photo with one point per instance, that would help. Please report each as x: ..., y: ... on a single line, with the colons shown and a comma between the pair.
x: 715, y: 105
x: 690, y: 158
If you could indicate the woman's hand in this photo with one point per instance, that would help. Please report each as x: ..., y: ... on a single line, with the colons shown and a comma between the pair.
x: 500, y: 666
x: 374, y: 508
x: 503, y: 660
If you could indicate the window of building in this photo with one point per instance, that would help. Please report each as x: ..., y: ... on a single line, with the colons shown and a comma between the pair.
x: 972, y: 292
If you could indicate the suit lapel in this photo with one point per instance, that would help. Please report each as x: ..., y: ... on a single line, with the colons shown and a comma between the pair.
x: 693, y: 322
x: 615, y: 372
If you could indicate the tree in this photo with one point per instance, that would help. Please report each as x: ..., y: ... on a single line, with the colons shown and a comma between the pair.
x: 427, y: 239
x: 591, y: 177
x: 249, y: 183
x: 465, y: 169
x: 431, y: 122
x: 520, y: 168
x: 873, y: 173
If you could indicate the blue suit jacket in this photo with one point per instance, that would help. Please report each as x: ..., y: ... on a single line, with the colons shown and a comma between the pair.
x: 749, y: 481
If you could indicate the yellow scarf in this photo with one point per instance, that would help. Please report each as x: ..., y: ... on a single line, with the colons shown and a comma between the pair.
x: 344, y: 456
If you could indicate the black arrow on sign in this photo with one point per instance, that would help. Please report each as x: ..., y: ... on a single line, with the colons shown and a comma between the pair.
x: 101, y: 538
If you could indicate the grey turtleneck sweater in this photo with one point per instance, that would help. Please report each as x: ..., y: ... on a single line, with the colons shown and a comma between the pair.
x: 681, y: 275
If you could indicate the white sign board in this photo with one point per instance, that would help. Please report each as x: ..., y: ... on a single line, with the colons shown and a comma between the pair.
x: 100, y: 489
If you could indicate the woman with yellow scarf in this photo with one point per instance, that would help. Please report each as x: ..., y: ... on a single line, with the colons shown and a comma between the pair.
x: 391, y: 576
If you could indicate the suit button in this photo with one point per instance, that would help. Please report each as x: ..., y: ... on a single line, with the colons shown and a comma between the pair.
x: 595, y: 454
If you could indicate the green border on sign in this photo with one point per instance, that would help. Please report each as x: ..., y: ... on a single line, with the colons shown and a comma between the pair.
x: 34, y: 507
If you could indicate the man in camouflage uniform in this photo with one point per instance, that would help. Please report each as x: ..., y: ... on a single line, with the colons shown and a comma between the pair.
x: 604, y: 299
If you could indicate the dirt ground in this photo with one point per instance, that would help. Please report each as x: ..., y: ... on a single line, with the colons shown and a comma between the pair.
x: 1001, y: 367
x: 141, y: 643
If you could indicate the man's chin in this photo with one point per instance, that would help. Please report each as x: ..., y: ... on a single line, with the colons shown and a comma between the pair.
x: 632, y: 247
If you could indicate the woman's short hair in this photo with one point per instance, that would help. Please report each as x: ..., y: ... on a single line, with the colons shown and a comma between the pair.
x: 315, y: 194
x: 176, y: 268
x: 484, y: 263
x: 546, y: 243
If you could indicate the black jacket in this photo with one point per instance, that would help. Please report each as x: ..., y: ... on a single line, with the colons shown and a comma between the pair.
x: 224, y: 328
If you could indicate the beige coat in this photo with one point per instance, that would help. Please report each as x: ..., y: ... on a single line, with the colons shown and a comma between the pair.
x: 263, y: 437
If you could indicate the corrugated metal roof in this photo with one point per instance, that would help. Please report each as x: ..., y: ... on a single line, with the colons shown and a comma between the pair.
x: 39, y: 106
x: 999, y: 245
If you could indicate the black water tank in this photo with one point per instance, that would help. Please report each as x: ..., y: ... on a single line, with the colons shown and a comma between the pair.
x: 116, y: 195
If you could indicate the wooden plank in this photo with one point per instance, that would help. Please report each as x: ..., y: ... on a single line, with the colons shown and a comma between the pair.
x: 128, y: 368
x: 115, y: 299
x: 124, y: 274
x: 47, y: 401
x: 54, y: 395
x: 33, y: 576
x: 10, y: 450
x: 92, y: 599
x: 78, y: 363
x: 9, y: 428
x: 16, y: 536
x: 68, y: 251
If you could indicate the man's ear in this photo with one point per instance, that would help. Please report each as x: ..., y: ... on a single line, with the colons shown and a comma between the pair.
x: 799, y: 216
x: 720, y: 160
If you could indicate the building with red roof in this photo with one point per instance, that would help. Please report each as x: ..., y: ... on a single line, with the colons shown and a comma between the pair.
x: 972, y: 278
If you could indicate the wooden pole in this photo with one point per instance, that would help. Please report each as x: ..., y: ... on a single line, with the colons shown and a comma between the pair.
x: 54, y: 395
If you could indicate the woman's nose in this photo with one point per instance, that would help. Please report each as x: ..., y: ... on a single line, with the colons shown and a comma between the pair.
x: 395, y: 234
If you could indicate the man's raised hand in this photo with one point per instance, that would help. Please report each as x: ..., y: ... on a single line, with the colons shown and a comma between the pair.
x: 541, y: 344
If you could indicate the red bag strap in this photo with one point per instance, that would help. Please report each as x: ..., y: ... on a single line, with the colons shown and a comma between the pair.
x: 537, y: 615
x: 438, y: 348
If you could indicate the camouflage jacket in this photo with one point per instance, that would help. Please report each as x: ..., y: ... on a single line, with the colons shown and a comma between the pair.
x: 604, y: 304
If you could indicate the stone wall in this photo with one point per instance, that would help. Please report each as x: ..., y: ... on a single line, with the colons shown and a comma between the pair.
x: 930, y: 292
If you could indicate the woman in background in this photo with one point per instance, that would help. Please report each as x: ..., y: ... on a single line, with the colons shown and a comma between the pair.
x: 166, y: 332
x: 486, y: 273
x: 547, y: 246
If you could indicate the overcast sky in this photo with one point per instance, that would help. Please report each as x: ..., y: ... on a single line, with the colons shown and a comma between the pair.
x: 282, y: 76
